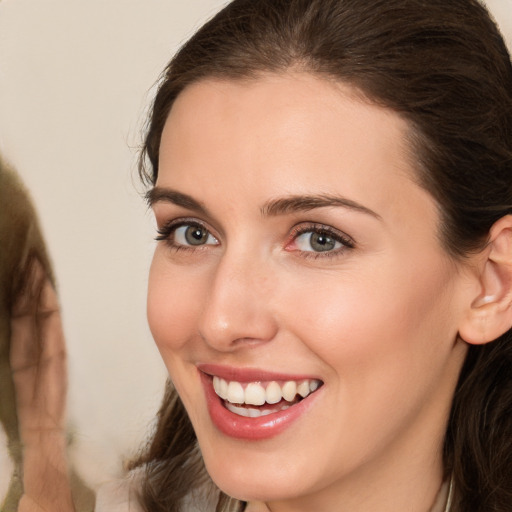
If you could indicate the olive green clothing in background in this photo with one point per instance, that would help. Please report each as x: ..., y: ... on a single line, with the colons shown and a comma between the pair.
x: 20, y: 242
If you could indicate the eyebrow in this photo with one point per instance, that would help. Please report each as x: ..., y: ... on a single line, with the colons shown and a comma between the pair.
x: 272, y: 208
x: 168, y: 195
x: 304, y: 203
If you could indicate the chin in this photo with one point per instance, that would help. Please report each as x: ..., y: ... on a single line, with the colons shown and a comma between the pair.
x: 252, y: 475
x: 249, y: 487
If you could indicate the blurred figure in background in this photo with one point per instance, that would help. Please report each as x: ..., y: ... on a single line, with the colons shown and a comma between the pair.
x: 33, y: 379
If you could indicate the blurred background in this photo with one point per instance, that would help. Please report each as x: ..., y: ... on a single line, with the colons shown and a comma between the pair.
x: 76, y: 78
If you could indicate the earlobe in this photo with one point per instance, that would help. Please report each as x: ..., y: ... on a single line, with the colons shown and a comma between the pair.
x: 490, y: 312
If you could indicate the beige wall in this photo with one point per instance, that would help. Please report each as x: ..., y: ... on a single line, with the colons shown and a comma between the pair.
x: 75, y: 77
x: 74, y: 81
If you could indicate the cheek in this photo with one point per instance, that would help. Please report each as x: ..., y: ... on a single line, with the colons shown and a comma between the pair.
x: 172, y: 309
x: 384, y: 348
x: 388, y: 318
x: 172, y: 305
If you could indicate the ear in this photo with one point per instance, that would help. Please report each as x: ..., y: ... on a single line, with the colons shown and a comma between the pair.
x: 490, y: 313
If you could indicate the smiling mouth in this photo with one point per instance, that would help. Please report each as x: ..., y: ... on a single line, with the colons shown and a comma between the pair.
x: 255, y: 399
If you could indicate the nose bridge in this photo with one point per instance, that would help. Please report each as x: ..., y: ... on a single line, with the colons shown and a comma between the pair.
x: 237, y: 305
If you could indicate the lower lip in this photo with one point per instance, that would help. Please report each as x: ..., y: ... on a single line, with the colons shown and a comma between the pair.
x: 252, y: 429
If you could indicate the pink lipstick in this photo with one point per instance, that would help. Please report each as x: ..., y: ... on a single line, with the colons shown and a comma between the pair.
x: 252, y: 404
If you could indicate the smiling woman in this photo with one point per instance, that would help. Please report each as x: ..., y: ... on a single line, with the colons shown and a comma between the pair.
x: 331, y: 291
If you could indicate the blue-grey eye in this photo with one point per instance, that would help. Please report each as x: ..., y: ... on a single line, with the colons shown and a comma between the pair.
x: 314, y: 241
x: 193, y: 235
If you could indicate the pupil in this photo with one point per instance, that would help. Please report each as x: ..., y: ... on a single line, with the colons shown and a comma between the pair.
x: 321, y: 242
x: 195, y: 235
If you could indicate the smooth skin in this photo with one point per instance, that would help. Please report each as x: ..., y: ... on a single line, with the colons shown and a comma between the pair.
x: 375, y: 316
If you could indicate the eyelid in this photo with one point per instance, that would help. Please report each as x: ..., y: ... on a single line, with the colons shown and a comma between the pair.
x: 165, y: 231
x: 314, y: 227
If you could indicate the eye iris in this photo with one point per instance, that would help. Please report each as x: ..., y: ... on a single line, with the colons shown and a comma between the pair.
x: 195, y: 235
x: 321, y: 242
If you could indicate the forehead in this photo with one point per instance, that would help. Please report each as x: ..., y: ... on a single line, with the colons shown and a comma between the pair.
x: 296, y: 98
x: 285, y: 133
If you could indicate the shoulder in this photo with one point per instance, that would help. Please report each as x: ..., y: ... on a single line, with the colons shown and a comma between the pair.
x: 120, y: 495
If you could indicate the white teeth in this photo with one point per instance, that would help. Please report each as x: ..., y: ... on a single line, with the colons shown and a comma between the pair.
x: 303, y: 389
x: 289, y: 390
x: 273, y: 393
x: 249, y: 412
x: 235, y: 393
x: 256, y: 394
x: 252, y: 413
x: 221, y: 387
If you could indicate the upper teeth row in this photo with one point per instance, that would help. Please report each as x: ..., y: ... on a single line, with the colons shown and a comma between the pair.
x: 256, y: 393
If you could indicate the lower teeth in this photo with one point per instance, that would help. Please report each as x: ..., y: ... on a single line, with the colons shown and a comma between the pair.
x: 251, y: 412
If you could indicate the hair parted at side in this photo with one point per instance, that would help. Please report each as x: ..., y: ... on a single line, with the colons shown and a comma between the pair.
x: 441, y: 65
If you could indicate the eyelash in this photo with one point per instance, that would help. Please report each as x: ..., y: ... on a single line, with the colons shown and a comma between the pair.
x: 167, y: 231
x: 322, y: 229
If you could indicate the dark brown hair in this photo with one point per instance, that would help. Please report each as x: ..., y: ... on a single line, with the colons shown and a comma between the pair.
x: 443, y: 66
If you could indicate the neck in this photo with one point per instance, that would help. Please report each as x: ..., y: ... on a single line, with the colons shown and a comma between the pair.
x: 442, y: 502
x: 405, y: 476
x: 417, y: 492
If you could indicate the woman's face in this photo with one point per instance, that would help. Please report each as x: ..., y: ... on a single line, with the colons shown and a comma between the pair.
x: 299, y: 256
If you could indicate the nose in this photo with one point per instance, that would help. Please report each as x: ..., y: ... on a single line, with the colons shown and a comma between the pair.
x: 237, y: 307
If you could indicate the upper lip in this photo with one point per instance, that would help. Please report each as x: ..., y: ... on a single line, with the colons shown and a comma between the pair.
x: 231, y: 373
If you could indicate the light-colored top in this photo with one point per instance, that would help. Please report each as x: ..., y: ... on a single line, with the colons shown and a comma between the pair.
x: 121, y: 496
